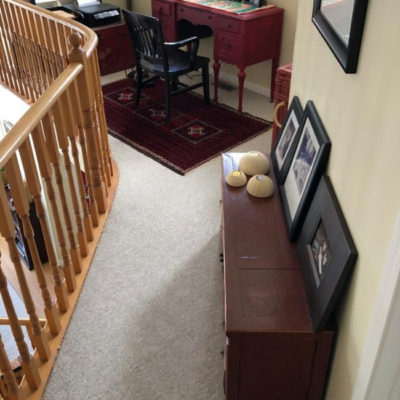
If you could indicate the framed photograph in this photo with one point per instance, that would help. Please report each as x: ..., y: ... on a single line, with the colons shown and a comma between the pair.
x: 287, y: 138
x: 341, y: 24
x: 299, y: 181
x: 326, y: 252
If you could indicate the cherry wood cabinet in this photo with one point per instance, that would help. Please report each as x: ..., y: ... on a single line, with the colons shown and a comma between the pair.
x: 114, y: 49
x: 271, y: 350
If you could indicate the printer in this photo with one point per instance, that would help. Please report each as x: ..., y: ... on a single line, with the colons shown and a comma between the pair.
x: 93, y: 12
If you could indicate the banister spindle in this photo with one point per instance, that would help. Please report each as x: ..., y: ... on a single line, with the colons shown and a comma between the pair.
x: 18, y: 51
x: 33, y: 183
x: 9, y: 60
x: 102, y: 116
x: 94, y: 212
x: 36, y: 191
x: 21, y: 205
x: 73, y: 111
x: 89, y: 120
x: 64, y: 125
x: 28, y: 364
x: 45, y: 171
x: 54, y: 156
x: 13, y: 391
x: 106, y: 174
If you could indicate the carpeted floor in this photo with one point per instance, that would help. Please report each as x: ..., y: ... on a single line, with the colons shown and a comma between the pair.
x: 195, y: 134
x: 147, y: 325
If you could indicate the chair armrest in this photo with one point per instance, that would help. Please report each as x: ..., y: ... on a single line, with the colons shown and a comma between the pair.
x: 184, y: 42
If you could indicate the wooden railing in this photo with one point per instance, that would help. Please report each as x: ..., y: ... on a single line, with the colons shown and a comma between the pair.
x: 51, y: 63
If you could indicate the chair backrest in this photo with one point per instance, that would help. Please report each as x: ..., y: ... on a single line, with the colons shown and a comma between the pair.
x: 147, y: 39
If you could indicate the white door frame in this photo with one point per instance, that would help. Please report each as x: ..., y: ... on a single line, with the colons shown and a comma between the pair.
x: 378, y: 375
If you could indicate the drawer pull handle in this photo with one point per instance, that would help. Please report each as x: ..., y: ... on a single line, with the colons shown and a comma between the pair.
x: 182, y: 10
x: 228, y: 26
x: 209, y: 17
x: 228, y: 45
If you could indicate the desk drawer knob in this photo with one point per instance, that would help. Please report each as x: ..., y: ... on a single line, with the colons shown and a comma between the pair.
x: 209, y: 17
x: 228, y: 26
x: 228, y: 46
x: 182, y: 10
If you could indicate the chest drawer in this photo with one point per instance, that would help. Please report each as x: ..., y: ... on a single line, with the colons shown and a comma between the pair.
x: 161, y: 7
x: 228, y: 24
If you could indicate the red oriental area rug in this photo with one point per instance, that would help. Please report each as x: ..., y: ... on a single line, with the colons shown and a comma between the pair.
x: 195, y: 134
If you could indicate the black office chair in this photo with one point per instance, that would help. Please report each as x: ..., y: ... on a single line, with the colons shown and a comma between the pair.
x: 165, y: 60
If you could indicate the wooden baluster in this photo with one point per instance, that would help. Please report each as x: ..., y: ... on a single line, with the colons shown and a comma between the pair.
x: 5, y: 72
x: 35, y: 189
x: 45, y: 170
x: 37, y: 26
x: 37, y: 71
x: 64, y: 124
x: 28, y: 364
x: 96, y: 129
x: 51, y: 67
x: 73, y: 111
x: 101, y: 119
x: 26, y: 53
x: 94, y: 213
x: 22, y: 208
x: 102, y: 112
x: 89, y: 121
x: 18, y: 51
x: 10, y: 59
x: 13, y: 392
x: 106, y: 174
x: 49, y: 133
x: 57, y: 52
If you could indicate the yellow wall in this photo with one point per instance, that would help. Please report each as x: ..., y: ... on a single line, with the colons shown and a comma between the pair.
x: 361, y: 115
x: 257, y: 74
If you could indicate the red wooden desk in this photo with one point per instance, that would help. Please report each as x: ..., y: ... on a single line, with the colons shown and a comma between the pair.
x: 239, y: 39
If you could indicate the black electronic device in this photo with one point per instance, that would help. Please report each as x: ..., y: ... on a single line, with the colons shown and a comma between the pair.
x: 94, y: 12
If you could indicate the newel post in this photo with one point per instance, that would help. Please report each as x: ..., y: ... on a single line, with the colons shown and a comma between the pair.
x: 88, y: 123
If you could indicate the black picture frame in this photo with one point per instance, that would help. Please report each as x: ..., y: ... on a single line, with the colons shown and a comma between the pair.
x: 326, y: 253
x: 308, y: 163
x: 287, y: 139
x: 334, y: 20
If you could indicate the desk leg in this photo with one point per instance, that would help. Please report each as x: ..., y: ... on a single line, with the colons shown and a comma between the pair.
x: 216, y: 66
x: 241, y: 77
x: 274, y: 67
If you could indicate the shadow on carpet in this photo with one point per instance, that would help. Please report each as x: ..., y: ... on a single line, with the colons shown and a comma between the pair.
x: 195, y: 134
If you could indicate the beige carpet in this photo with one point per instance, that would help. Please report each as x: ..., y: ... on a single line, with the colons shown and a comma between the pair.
x: 148, y: 324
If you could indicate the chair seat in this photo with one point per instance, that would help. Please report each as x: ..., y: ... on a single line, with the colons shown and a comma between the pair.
x: 179, y: 63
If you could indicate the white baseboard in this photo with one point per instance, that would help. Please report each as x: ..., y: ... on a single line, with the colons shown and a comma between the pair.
x: 233, y: 81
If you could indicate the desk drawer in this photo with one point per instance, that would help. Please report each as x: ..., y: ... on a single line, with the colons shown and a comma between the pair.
x: 228, y: 46
x: 228, y: 24
x: 196, y: 17
x: 161, y: 7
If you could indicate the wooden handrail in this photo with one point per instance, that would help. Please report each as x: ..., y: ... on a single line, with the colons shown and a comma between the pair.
x: 17, y: 135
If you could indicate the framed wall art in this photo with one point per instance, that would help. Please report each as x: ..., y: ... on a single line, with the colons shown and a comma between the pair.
x: 341, y: 24
x: 326, y: 253
x: 300, y: 180
x: 287, y: 139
